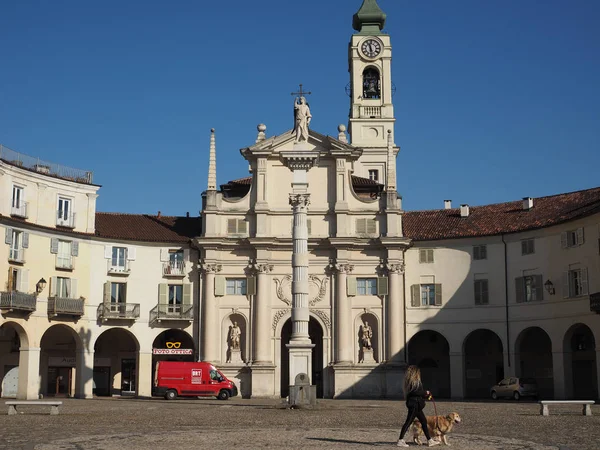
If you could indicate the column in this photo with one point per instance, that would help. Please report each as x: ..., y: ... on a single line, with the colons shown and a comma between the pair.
x: 262, y: 328
x: 558, y: 373
x: 395, y: 311
x: 29, y: 374
x: 145, y: 374
x: 343, y: 318
x: 84, y: 378
x: 597, y: 371
x: 210, y: 327
x: 456, y: 375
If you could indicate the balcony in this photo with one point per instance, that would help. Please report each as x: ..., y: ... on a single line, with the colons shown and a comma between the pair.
x: 19, y: 209
x: 118, y: 311
x: 65, y: 306
x: 66, y: 220
x: 123, y: 269
x: 171, y: 312
x: 174, y: 269
x: 17, y: 301
x: 16, y: 255
x: 370, y: 112
x: 64, y: 262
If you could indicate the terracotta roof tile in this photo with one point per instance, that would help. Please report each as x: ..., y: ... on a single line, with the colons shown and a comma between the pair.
x: 500, y: 218
x: 147, y: 228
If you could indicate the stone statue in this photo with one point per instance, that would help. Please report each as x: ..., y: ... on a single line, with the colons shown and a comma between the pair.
x: 234, y: 337
x: 367, y: 334
x: 302, y: 119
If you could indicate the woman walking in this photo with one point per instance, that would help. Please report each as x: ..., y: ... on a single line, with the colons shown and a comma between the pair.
x: 415, y: 402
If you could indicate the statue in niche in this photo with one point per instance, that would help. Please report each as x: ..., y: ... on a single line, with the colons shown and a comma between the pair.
x: 302, y: 119
x: 234, y: 337
x: 366, y: 335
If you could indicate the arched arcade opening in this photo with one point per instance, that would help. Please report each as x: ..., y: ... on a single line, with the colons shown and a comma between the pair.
x: 430, y: 351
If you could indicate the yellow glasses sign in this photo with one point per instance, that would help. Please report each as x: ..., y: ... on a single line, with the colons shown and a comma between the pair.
x: 173, y: 344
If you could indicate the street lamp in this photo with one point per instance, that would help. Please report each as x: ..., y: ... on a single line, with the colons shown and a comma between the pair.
x: 549, y: 287
x: 40, y: 285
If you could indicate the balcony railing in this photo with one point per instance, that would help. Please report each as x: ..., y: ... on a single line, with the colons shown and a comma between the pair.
x: 19, y: 210
x: 16, y: 255
x: 18, y: 301
x: 370, y: 112
x: 37, y: 165
x: 65, y: 220
x: 124, y: 311
x: 64, y: 262
x: 123, y: 269
x: 67, y: 306
x: 171, y: 312
x: 174, y: 269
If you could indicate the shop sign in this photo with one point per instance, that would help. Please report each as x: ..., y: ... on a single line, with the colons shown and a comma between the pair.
x: 172, y: 351
x: 595, y: 302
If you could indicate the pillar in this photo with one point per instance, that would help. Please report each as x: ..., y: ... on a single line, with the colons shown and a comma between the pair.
x: 456, y: 375
x: 558, y: 373
x: 210, y: 327
x: 145, y: 374
x: 29, y: 374
x: 343, y: 317
x: 597, y: 372
x: 262, y: 328
x: 84, y: 378
x: 395, y: 312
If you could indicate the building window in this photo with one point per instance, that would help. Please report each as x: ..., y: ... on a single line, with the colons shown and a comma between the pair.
x: 529, y: 288
x: 427, y: 294
x: 65, y: 213
x: 572, y: 238
x: 63, y: 287
x: 576, y: 283
x: 426, y: 255
x: 480, y: 252
x: 237, y: 226
x: 63, y: 256
x: 374, y: 175
x: 527, y: 247
x: 118, y: 292
x: 119, y: 257
x: 236, y: 286
x: 17, y: 197
x: 16, y: 249
x: 371, y: 84
x: 175, y: 297
x: 481, y: 292
x: 366, y: 286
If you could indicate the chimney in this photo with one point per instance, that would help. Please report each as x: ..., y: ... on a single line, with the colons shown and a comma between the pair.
x: 527, y: 203
x: 447, y: 204
x: 158, y: 215
x: 464, y: 210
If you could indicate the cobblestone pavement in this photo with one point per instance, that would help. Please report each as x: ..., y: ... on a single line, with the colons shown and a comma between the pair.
x: 113, y: 423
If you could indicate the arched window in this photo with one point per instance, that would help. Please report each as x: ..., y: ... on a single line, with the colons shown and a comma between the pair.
x: 371, y: 83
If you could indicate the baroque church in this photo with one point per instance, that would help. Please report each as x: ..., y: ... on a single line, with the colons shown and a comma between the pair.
x: 470, y: 294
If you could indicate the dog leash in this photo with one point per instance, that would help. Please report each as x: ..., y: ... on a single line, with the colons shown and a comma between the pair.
x: 435, y: 410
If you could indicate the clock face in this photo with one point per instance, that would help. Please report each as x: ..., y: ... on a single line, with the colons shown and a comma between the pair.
x: 371, y: 48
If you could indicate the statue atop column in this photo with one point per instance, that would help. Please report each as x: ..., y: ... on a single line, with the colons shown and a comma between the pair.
x: 302, y: 115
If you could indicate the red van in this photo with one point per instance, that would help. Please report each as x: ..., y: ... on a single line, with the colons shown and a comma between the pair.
x: 191, y: 379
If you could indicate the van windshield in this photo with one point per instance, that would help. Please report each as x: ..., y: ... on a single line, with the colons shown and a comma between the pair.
x: 215, y: 375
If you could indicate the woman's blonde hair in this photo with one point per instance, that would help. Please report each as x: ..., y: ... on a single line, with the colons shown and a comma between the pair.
x: 412, y: 379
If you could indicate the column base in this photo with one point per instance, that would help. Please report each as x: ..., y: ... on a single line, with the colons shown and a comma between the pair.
x: 235, y: 357
x: 300, y: 360
x: 374, y: 381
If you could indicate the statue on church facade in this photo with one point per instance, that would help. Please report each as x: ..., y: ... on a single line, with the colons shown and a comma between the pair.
x: 367, y: 334
x: 234, y: 337
x: 302, y: 118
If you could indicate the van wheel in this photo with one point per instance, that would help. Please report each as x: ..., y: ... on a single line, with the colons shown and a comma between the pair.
x: 516, y: 395
x: 223, y: 395
x: 494, y: 395
x: 171, y: 394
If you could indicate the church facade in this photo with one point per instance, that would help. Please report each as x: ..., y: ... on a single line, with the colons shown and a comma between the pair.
x: 470, y: 294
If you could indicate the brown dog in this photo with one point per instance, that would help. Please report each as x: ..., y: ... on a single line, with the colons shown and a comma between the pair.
x: 438, y: 426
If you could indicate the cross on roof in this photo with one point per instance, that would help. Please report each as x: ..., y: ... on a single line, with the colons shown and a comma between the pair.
x: 301, y: 92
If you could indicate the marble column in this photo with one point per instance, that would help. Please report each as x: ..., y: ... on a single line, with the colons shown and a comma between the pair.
x: 262, y: 328
x: 84, y: 377
x: 343, y: 318
x: 210, y: 326
x: 29, y: 383
x: 395, y: 313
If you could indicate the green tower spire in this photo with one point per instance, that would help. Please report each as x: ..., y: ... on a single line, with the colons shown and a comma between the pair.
x: 369, y: 19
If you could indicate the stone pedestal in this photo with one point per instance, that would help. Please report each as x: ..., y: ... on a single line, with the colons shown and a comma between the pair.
x: 300, y: 359
x: 235, y: 357
x: 367, y: 356
x: 301, y: 392
x: 263, y: 381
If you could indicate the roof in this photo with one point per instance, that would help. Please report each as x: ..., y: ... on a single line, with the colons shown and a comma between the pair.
x: 500, y: 218
x: 147, y: 228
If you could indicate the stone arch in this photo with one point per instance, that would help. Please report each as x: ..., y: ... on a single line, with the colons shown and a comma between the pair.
x: 533, y: 359
x: 373, y: 322
x: 13, y: 340
x: 430, y: 351
x: 581, y: 377
x: 484, y: 362
x: 116, y: 352
x: 371, y: 78
x: 60, y: 347
x: 226, y: 327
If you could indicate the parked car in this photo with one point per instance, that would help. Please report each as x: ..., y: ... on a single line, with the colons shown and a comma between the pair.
x: 191, y: 379
x: 515, y: 388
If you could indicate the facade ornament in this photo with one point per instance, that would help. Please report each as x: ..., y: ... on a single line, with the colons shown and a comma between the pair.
x: 343, y: 268
x: 300, y: 202
x: 234, y: 337
x: 278, y: 315
x: 264, y: 268
x: 323, y: 316
x: 302, y: 115
x: 211, y: 268
x: 366, y: 334
x: 284, y: 289
x: 396, y: 267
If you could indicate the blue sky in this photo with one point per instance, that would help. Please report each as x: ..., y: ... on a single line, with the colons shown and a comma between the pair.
x: 496, y: 100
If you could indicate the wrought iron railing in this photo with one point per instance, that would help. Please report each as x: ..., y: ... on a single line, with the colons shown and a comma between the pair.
x: 17, y: 301
x: 61, y: 305
x: 171, y: 312
x: 128, y: 311
x: 174, y: 269
x: 37, y: 165
x: 16, y: 255
x: 122, y: 269
x: 19, y: 210
x: 65, y: 219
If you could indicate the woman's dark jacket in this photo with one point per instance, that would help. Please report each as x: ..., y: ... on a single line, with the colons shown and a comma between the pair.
x: 416, y: 398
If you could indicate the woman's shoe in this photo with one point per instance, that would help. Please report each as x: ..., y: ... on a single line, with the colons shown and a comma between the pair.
x: 432, y: 442
x: 401, y: 443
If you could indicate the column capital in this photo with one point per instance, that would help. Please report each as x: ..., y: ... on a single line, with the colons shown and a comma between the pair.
x: 210, y: 267
x: 394, y: 267
x: 342, y: 267
x: 263, y: 268
x: 300, y: 201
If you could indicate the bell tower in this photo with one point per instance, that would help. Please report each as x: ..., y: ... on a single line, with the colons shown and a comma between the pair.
x: 370, y: 64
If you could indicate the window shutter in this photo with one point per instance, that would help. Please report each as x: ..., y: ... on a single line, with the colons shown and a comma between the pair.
x: 73, y: 290
x: 539, y: 288
x: 187, y: 294
x: 25, y: 243
x: 75, y: 248
x: 186, y: 255
x: 415, y: 297
x: 23, y: 280
x: 565, y: 285
x: 164, y: 254
x: 8, y: 236
x: 423, y: 255
x: 242, y: 226
x: 131, y: 253
x: 430, y: 255
x: 477, y: 289
x: 483, y: 252
x: 163, y: 294
x: 220, y: 286
x: 584, y: 281
x: 361, y: 226
x: 351, y: 286
x: 231, y: 226
x: 371, y: 226
x: 438, y: 295
x: 579, y: 236
x: 106, y: 295
x: 251, y: 286
x: 485, y: 293
x: 476, y: 252
x: 54, y: 245
x: 520, y: 287
x: 107, y: 252
x: 53, y: 281
x: 563, y: 240
x: 382, y: 286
